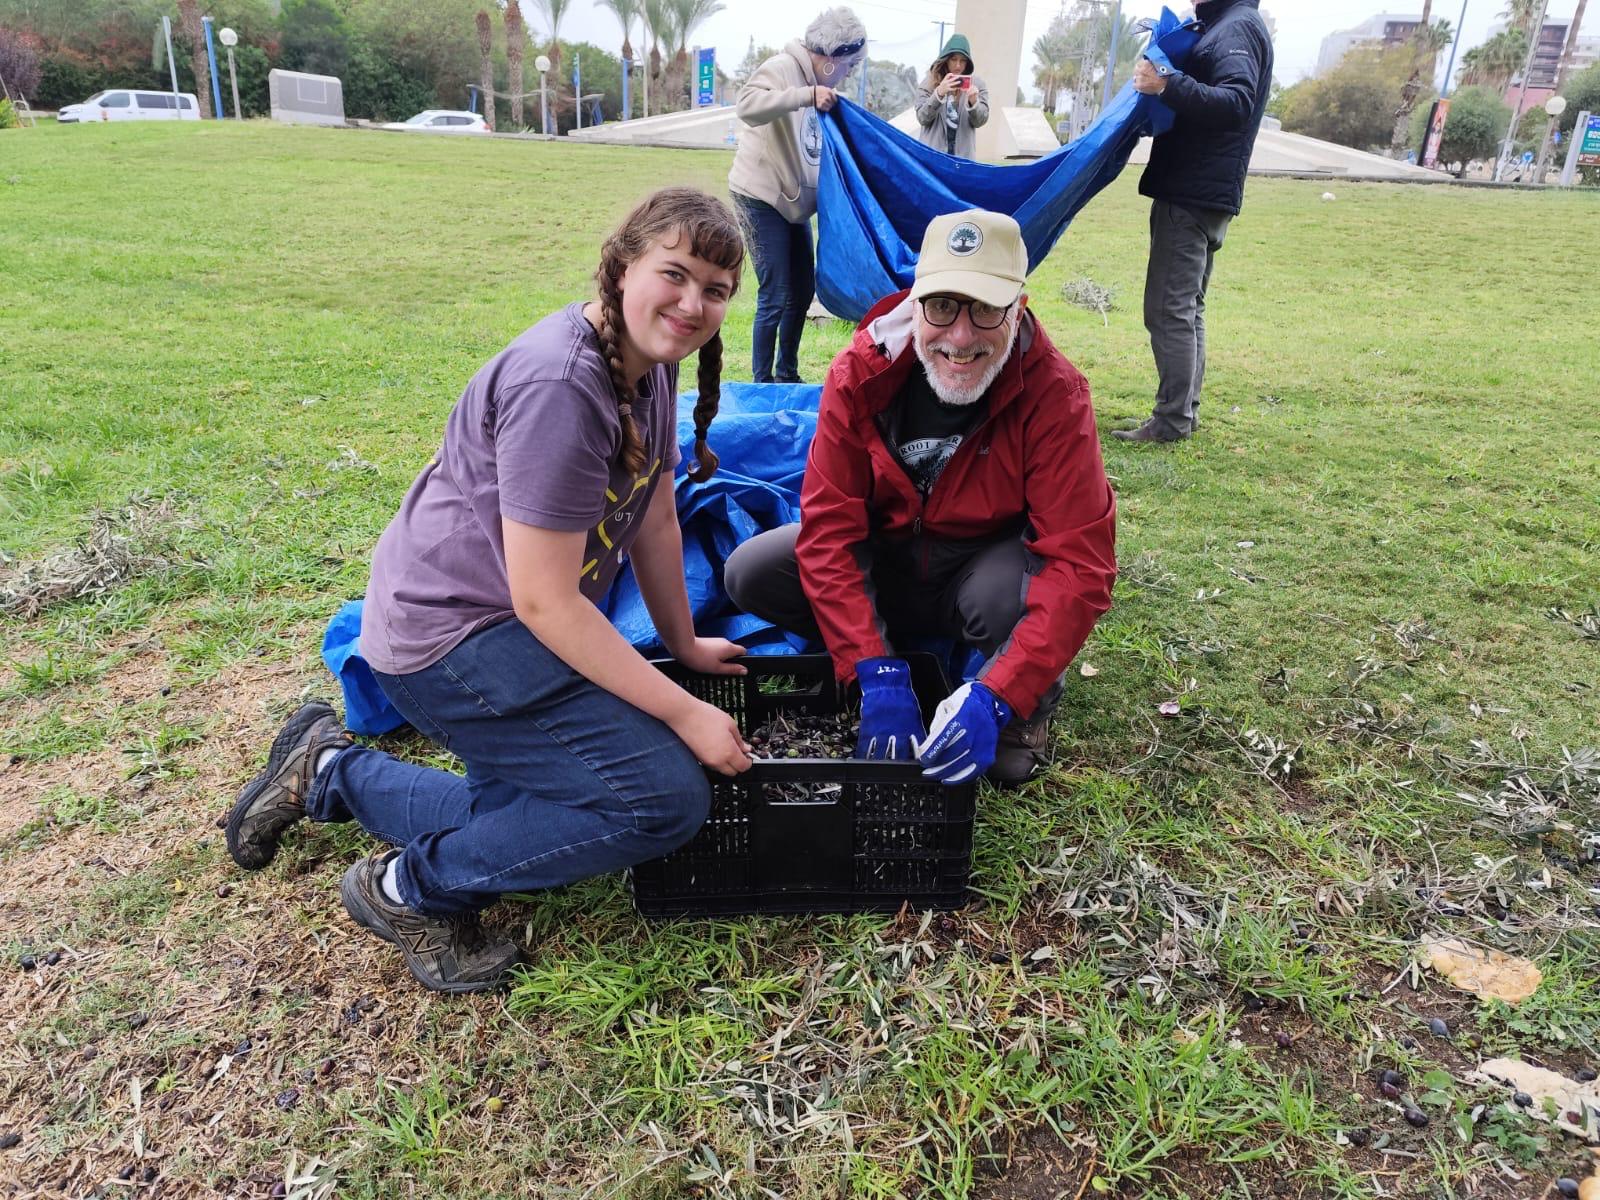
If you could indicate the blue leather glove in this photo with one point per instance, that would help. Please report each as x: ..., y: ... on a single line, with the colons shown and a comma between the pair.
x: 891, y: 718
x: 966, y: 727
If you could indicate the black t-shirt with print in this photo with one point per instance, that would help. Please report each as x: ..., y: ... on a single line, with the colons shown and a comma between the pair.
x: 925, y: 431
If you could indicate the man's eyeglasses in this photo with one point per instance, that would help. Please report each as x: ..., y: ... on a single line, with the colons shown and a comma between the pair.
x: 943, y: 310
x: 849, y: 48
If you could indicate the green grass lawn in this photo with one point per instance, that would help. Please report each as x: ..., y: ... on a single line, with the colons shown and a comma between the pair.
x: 1371, y: 581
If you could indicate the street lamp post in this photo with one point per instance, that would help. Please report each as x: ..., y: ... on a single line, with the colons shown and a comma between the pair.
x: 542, y: 65
x: 1516, y: 112
x: 230, y: 39
x: 1111, y: 54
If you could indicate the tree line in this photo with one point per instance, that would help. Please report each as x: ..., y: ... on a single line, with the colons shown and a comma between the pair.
x: 1378, y: 98
x: 394, y: 57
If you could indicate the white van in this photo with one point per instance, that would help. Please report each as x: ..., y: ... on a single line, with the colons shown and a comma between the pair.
x: 125, y: 104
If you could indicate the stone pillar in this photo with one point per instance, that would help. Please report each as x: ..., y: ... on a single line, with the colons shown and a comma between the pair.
x: 994, y: 27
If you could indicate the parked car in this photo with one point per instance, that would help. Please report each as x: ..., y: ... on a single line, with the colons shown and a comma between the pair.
x: 442, y: 120
x: 125, y: 104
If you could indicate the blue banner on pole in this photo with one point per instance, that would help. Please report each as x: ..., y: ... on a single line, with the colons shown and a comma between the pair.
x: 705, y: 73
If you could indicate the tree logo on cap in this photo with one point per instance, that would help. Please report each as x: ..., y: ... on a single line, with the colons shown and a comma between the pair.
x: 964, y: 239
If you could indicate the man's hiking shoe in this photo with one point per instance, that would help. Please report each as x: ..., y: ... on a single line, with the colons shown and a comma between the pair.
x: 446, y: 954
x: 1021, y: 750
x: 276, y: 798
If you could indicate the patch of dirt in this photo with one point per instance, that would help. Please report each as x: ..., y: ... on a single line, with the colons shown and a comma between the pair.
x: 1039, y: 1165
x: 1298, y: 794
x: 233, y: 1009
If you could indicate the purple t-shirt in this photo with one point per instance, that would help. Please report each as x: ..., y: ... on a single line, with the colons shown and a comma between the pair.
x: 534, y: 438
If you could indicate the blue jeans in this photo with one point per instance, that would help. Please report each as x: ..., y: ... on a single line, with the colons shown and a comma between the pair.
x: 563, y: 779
x: 786, y: 276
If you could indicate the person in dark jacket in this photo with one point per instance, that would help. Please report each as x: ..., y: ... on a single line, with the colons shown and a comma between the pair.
x: 954, y: 489
x: 1195, y: 182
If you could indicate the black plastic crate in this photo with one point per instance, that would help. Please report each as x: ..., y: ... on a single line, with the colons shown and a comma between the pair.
x: 814, y: 834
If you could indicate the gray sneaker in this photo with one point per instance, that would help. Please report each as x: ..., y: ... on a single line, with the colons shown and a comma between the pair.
x: 276, y: 798
x: 446, y: 954
x: 1148, y: 432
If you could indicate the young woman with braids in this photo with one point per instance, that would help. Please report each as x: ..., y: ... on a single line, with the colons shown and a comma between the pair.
x: 481, y: 625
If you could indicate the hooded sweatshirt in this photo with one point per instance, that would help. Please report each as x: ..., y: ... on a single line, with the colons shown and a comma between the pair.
x: 781, y: 148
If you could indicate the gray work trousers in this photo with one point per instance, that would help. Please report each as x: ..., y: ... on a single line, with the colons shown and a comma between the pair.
x: 1183, y: 245
x: 973, y: 592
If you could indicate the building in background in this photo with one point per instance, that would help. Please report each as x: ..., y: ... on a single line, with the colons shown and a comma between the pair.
x: 1384, y: 29
x: 1547, y: 63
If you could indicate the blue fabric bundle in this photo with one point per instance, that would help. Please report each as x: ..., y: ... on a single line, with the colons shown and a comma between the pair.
x: 879, y: 188
x: 761, y: 434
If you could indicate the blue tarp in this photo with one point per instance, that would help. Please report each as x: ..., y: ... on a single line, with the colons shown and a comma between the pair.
x: 879, y: 188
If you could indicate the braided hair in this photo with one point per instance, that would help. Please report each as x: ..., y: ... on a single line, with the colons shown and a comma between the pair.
x: 675, y: 215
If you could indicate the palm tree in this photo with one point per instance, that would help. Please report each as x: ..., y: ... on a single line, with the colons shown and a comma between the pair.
x: 1071, y: 56
x: 1421, y: 42
x: 486, y: 66
x: 657, y: 23
x: 626, y: 12
x: 1054, y: 67
x: 686, y: 17
x: 1522, y: 14
x: 1498, y: 59
x: 516, y: 39
x: 189, y: 19
x: 555, y: 12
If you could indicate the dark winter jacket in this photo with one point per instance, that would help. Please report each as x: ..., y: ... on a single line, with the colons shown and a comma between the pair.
x: 1031, y: 465
x: 1218, y: 98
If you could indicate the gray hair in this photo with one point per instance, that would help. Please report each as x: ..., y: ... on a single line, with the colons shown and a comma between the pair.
x: 833, y: 28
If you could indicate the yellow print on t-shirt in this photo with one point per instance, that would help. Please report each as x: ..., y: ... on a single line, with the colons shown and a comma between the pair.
x: 621, y: 514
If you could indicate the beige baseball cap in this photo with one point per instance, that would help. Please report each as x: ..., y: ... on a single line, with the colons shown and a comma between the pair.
x: 977, y: 254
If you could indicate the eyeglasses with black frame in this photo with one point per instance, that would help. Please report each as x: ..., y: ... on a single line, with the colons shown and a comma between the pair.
x: 943, y: 310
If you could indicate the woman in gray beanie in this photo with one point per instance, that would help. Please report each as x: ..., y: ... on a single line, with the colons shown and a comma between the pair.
x: 774, y: 179
x: 952, y: 102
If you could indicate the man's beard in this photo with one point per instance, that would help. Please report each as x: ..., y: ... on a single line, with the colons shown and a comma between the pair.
x: 971, y: 393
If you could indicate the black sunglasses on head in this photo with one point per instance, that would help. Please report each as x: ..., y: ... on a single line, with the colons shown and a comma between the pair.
x: 846, y: 50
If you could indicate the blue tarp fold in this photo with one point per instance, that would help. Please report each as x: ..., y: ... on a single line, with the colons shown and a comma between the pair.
x: 879, y: 188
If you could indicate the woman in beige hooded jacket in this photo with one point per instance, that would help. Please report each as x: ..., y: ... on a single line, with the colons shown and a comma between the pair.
x: 774, y: 179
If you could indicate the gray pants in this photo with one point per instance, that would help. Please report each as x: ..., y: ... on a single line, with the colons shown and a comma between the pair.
x: 972, y: 592
x: 1183, y: 245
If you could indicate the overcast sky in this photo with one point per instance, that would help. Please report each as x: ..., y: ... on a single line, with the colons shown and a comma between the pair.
x: 907, y: 31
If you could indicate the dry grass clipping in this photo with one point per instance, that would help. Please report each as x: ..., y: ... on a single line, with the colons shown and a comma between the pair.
x: 1086, y: 293
x: 121, y: 544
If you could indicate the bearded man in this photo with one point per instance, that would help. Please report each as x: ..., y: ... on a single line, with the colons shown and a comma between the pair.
x: 954, y: 488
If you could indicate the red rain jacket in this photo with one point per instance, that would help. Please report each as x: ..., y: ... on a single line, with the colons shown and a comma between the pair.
x: 1033, y: 461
